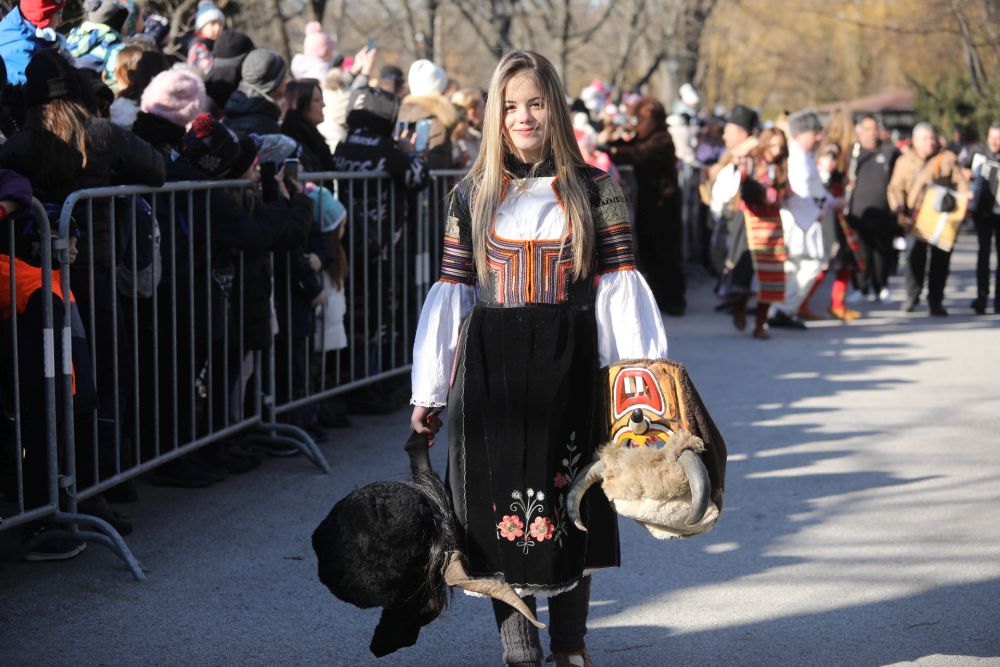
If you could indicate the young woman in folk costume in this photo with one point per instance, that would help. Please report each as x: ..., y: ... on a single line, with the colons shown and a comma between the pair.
x: 764, y: 186
x: 833, y: 159
x: 538, y: 290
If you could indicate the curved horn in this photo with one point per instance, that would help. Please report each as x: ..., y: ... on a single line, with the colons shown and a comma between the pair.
x: 698, y: 480
x: 455, y: 575
x: 589, y: 476
x: 638, y: 422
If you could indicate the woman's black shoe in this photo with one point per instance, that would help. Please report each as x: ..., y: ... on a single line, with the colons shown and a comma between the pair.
x: 979, y: 306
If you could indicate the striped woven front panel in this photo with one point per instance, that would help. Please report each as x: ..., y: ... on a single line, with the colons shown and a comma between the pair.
x: 767, y: 249
x: 529, y: 271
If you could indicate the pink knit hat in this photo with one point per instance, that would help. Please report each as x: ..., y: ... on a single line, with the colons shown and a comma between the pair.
x: 317, y: 43
x: 177, y: 95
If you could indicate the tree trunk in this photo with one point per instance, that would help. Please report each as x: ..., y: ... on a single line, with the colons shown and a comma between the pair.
x: 282, y: 33
x: 502, y: 18
x: 318, y: 8
x: 431, y: 43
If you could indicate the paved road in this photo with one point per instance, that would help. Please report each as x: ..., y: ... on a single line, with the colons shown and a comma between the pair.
x: 861, y: 528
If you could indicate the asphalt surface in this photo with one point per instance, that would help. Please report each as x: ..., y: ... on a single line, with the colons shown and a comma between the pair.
x: 861, y: 526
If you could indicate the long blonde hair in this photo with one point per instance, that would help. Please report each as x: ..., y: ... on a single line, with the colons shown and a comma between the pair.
x: 840, y: 132
x: 488, y: 172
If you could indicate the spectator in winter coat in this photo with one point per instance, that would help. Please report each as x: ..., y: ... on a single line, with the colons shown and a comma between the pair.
x: 230, y: 51
x: 426, y: 101
x: 26, y: 29
x: 338, y: 84
x: 303, y: 113
x: 869, y: 170
x: 468, y: 134
x: 63, y: 148
x: 925, y: 164
x: 25, y: 298
x: 253, y: 107
x: 96, y: 42
x: 137, y: 64
x: 298, y: 289
x: 208, y: 151
x: 658, y: 208
x: 985, y: 208
x: 316, y: 59
x: 371, y: 236
x: 587, y: 140
x: 209, y: 24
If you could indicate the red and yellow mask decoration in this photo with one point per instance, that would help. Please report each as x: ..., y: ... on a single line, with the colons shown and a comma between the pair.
x: 645, y: 411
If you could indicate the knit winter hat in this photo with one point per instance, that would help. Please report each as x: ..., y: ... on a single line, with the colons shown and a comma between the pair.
x: 215, y: 149
x: 156, y: 29
x: 373, y: 110
x: 390, y: 73
x: 426, y: 78
x: 309, y: 67
x: 40, y: 12
x: 232, y: 44
x: 105, y: 11
x: 207, y: 12
x: 49, y: 76
x: 263, y: 70
x: 326, y: 209
x: 275, y: 147
x: 317, y: 43
x: 805, y: 120
x: 176, y: 95
x: 743, y: 116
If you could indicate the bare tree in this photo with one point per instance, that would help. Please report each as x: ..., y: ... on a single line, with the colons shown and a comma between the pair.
x: 561, y: 21
x: 492, y: 21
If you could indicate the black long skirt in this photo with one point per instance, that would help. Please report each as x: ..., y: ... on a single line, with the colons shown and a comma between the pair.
x: 525, y: 416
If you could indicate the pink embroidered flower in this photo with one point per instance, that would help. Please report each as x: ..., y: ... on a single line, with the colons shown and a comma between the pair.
x: 511, y: 527
x: 542, y: 529
x: 560, y: 480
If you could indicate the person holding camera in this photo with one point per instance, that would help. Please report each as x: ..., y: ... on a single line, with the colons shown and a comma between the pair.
x: 426, y: 102
x: 925, y: 164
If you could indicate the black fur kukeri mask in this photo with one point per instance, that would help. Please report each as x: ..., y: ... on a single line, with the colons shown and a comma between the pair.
x: 393, y: 545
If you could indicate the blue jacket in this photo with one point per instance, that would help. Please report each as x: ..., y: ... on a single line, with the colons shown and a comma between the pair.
x: 19, y: 41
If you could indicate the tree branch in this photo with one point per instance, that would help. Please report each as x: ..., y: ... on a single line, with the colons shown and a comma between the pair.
x: 463, y: 8
x: 585, y: 35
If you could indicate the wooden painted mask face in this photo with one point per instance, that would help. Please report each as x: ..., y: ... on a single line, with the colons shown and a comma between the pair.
x: 644, y: 406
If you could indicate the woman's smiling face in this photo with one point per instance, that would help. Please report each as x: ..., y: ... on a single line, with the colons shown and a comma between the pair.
x: 525, y: 116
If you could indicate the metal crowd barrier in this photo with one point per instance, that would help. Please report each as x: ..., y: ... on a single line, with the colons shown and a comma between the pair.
x: 392, y: 246
x: 30, y: 491
x: 145, y: 364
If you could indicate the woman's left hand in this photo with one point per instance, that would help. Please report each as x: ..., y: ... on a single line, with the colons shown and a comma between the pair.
x: 425, y: 420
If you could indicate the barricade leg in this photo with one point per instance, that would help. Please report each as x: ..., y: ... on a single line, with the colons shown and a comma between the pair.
x: 271, y: 430
x: 69, y: 355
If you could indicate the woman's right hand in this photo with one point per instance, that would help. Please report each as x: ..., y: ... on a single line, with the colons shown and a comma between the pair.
x: 425, y: 420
